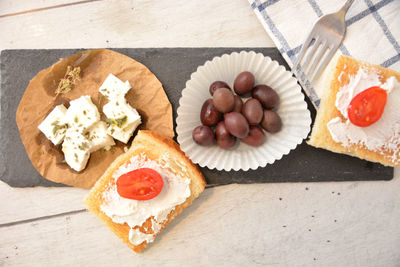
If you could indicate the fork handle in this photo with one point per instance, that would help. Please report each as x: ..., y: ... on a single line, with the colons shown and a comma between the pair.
x: 346, y: 7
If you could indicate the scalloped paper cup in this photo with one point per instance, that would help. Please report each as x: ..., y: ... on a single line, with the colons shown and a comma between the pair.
x: 292, y: 109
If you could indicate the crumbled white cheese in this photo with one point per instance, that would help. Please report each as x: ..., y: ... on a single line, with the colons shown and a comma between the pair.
x: 98, y: 137
x: 122, y: 134
x: 54, y: 125
x: 117, y: 109
x: 86, y: 133
x: 114, y: 88
x: 122, y: 119
x: 76, y: 149
x: 82, y: 113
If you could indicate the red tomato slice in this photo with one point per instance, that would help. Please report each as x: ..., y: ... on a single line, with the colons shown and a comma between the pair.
x: 367, y: 107
x: 140, y: 184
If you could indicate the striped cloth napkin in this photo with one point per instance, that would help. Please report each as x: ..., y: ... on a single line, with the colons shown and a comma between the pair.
x: 373, y: 30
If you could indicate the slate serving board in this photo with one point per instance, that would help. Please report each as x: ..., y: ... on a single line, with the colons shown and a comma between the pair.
x: 173, y: 67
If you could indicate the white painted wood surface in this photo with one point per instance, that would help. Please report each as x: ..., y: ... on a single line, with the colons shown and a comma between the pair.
x: 312, y: 224
x: 143, y: 23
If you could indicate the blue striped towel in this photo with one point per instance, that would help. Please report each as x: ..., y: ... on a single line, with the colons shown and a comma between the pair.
x: 373, y: 30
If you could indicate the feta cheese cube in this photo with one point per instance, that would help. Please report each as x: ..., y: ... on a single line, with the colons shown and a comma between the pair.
x: 54, y: 125
x: 98, y: 137
x: 82, y: 113
x: 76, y: 149
x: 114, y: 88
x: 123, y: 134
x: 122, y: 119
x: 119, y: 112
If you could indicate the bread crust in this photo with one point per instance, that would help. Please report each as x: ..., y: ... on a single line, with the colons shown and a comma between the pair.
x: 153, y: 145
x: 320, y: 136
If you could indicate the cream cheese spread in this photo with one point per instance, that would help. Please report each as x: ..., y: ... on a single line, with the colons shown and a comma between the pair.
x: 136, y: 237
x: 133, y: 212
x: 383, y: 135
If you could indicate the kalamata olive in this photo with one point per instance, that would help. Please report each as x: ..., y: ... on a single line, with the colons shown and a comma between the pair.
x: 223, y: 100
x: 210, y: 115
x: 224, y: 138
x: 266, y: 95
x: 244, y: 82
x: 236, y: 124
x: 218, y: 84
x: 238, y: 104
x: 253, y: 111
x: 271, y: 121
x: 255, y: 137
x: 203, y: 135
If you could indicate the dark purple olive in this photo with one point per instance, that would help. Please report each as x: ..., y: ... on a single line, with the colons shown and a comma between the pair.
x: 224, y: 138
x: 210, y: 115
x: 266, y: 95
x: 255, y: 137
x: 218, y: 84
x: 223, y: 100
x: 253, y: 111
x: 238, y: 104
x: 244, y: 82
x: 203, y: 135
x: 236, y: 124
x: 271, y: 121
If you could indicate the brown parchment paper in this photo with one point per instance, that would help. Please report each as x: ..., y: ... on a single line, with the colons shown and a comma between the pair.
x: 147, y: 96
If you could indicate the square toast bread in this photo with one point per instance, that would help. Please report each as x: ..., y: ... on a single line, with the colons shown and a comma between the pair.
x: 320, y: 137
x: 153, y: 145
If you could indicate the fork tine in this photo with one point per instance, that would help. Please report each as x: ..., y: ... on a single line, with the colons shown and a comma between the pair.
x: 324, y: 63
x: 317, y: 59
x: 303, y: 51
x: 310, y: 54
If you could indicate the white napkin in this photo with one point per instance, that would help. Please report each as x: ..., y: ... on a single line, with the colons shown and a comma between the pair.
x: 373, y: 29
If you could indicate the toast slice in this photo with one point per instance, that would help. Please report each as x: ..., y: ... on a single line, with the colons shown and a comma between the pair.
x: 341, y: 70
x: 164, y: 151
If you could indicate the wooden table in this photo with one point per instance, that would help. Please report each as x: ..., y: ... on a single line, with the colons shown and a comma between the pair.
x: 304, y: 224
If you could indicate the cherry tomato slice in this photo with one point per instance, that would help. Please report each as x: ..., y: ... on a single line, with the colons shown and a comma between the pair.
x: 367, y: 107
x: 140, y: 184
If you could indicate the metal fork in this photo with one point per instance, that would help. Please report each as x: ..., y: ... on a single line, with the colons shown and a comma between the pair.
x: 325, y: 38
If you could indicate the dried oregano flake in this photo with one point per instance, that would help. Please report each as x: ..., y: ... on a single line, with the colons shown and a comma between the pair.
x: 70, y: 78
x: 118, y: 122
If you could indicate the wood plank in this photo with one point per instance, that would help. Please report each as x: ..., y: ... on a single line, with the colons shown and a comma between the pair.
x: 20, y: 204
x: 13, y: 7
x: 237, y: 224
x: 137, y: 24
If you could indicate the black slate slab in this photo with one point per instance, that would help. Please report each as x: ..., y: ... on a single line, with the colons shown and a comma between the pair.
x: 173, y: 67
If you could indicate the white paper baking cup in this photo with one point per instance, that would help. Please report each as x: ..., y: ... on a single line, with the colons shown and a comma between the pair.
x: 292, y: 109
